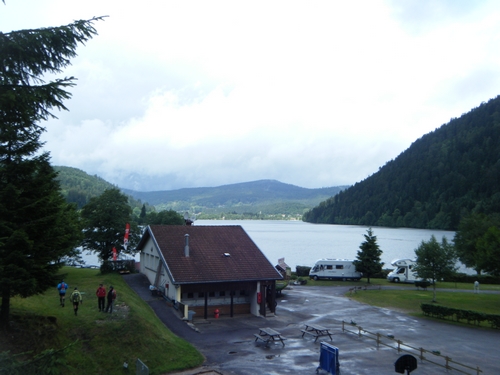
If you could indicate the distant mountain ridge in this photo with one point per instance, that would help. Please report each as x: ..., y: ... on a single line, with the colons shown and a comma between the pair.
x: 441, y: 178
x: 268, y: 197
x: 245, y: 193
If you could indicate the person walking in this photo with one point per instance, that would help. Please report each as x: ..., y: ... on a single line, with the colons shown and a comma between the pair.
x: 101, y: 297
x: 76, y: 299
x: 111, y: 299
x: 62, y: 287
x: 476, y: 286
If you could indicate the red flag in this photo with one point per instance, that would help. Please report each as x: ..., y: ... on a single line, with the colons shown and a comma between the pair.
x: 114, y: 253
x: 125, y: 239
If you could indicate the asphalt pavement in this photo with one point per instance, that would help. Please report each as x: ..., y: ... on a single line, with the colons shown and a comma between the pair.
x: 229, y: 346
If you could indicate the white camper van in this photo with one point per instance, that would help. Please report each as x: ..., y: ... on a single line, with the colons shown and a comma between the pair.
x: 403, y: 271
x: 338, y: 269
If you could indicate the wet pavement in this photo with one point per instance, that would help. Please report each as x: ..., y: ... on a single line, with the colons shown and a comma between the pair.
x: 229, y: 346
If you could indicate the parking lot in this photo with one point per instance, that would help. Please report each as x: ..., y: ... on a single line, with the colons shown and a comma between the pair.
x: 230, y: 348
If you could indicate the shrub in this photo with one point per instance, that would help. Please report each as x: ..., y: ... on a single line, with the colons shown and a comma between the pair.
x: 303, y: 270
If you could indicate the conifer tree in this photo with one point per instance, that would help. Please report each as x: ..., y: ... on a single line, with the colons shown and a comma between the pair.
x: 368, y: 258
x: 37, y: 227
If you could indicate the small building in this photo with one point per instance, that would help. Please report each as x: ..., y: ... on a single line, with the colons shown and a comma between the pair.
x: 202, y: 269
x: 284, y: 269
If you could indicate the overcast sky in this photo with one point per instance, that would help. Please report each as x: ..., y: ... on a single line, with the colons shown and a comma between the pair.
x: 311, y: 93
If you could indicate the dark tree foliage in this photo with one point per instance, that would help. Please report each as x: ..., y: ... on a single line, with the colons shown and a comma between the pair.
x: 489, y: 250
x: 37, y: 227
x: 471, y: 231
x: 368, y: 258
x: 166, y: 217
x: 105, y: 218
x: 142, y: 215
x: 443, y: 177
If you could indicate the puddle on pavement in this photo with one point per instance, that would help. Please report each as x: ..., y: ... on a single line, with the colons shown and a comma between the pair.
x: 271, y: 356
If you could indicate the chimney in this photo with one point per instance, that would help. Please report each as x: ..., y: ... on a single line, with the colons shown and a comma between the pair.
x: 186, y: 246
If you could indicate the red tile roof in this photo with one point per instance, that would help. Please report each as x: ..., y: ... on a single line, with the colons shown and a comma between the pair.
x: 216, y: 254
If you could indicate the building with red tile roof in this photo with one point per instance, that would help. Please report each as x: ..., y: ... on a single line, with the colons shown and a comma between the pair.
x: 209, y: 268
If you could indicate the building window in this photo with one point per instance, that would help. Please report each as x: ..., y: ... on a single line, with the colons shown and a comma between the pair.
x: 190, y: 295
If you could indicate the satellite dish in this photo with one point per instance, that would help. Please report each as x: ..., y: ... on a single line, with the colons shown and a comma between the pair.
x: 404, y: 363
x: 186, y: 215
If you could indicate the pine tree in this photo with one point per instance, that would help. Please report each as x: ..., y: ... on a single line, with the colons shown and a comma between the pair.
x: 37, y: 226
x: 368, y: 258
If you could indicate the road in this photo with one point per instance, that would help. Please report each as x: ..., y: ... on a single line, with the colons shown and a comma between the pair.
x: 230, y: 349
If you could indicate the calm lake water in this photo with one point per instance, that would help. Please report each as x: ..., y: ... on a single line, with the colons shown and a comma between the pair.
x: 302, y: 244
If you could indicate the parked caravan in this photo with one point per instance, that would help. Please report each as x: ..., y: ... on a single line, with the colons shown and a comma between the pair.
x: 336, y: 269
x: 403, y: 271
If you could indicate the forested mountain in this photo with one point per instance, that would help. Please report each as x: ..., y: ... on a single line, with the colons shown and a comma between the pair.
x: 78, y: 187
x: 263, y: 197
x: 439, y: 179
x: 258, y: 198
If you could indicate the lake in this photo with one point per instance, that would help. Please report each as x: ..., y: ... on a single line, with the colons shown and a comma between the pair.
x: 302, y: 244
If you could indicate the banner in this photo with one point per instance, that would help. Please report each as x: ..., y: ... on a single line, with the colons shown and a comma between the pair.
x: 125, y: 239
x: 114, y: 253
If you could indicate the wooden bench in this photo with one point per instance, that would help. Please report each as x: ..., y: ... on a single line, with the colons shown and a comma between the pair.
x: 312, y: 333
x: 268, y: 339
x: 422, y: 284
x: 316, y: 331
x: 259, y: 337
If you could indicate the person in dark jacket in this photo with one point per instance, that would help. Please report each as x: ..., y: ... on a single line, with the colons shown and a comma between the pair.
x: 111, y: 299
x: 101, y: 297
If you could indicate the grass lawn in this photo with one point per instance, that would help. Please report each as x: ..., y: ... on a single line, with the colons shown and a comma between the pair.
x: 410, y: 300
x: 406, y: 297
x: 101, y: 342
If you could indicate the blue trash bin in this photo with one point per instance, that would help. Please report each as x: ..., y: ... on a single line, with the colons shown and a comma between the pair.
x: 328, y: 358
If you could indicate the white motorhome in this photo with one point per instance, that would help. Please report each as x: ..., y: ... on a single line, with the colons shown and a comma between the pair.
x: 338, y: 269
x: 403, y: 271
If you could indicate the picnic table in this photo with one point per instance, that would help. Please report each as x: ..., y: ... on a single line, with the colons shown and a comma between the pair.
x: 268, y: 335
x: 316, y: 331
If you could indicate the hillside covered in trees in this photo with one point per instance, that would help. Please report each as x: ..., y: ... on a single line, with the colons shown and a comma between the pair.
x: 256, y: 199
x: 78, y: 187
x: 442, y: 177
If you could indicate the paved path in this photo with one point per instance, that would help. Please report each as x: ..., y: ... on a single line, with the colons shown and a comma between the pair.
x: 229, y: 347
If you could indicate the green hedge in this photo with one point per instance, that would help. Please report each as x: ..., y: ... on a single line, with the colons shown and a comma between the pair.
x: 443, y: 312
x: 483, y: 279
x: 117, y: 266
x: 303, y: 270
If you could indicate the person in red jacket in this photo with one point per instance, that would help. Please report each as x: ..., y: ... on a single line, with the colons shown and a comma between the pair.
x: 101, y: 297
